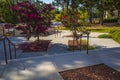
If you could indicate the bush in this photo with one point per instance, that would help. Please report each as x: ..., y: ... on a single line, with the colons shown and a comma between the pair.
x: 105, y: 36
x: 110, y: 20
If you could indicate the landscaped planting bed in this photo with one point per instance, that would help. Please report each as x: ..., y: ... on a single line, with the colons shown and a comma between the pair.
x: 96, y: 72
x: 35, y: 46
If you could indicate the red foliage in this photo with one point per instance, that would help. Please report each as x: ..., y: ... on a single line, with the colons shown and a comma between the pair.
x: 64, y: 17
x: 41, y: 29
x: 29, y: 14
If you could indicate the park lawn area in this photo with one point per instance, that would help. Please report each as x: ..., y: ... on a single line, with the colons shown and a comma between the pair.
x: 113, y: 31
x: 94, y: 29
x: 102, y: 29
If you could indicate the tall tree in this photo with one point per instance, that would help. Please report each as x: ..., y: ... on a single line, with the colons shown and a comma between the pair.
x: 89, y: 4
x: 117, y: 6
x: 6, y: 13
x: 104, y: 5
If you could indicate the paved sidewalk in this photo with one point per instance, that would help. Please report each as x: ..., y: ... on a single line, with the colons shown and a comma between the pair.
x: 59, y: 44
x: 47, y: 67
x: 40, y: 68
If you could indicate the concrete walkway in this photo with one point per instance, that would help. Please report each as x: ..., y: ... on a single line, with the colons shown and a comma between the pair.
x: 47, y: 67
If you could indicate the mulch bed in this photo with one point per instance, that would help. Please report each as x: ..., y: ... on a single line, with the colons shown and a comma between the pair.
x: 73, y: 45
x: 35, y: 46
x: 71, y: 35
x: 76, y: 45
x: 96, y: 72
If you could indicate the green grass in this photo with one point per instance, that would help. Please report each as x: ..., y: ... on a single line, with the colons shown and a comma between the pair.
x: 102, y: 29
x: 114, y: 32
x: 62, y: 28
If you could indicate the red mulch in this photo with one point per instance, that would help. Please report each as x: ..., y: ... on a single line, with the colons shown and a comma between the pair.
x: 35, y: 46
x: 71, y: 35
x: 75, y: 45
x: 96, y: 72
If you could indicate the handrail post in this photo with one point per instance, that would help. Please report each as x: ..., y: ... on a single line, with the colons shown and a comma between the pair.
x: 87, y: 42
x: 15, y: 51
x: 73, y: 45
x: 5, y: 53
x: 10, y: 50
x: 13, y: 46
x: 3, y: 30
x: 80, y: 42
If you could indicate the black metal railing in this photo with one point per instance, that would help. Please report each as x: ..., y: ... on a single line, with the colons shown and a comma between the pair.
x: 5, y: 39
x: 80, y: 38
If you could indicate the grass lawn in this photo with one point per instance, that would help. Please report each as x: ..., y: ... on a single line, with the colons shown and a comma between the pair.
x: 102, y: 29
x: 114, y: 32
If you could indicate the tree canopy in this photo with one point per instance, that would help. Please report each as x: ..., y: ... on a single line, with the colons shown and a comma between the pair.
x: 101, y: 6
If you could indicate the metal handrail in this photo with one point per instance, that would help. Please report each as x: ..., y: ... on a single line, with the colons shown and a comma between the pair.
x: 4, y: 38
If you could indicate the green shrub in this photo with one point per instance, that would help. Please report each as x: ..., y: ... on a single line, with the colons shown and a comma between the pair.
x: 105, y: 36
x: 110, y: 20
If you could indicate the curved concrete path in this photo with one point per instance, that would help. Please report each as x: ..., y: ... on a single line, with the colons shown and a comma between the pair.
x: 47, y: 67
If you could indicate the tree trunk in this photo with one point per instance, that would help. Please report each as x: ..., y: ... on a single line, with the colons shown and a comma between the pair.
x: 118, y: 13
x: 90, y: 15
x: 101, y: 18
x: 38, y: 39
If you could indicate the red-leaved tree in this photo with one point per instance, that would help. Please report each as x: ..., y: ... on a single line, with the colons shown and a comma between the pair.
x: 37, y: 20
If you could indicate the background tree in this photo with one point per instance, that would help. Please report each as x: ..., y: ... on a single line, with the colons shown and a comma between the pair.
x: 7, y: 15
x: 117, y: 6
x: 37, y: 19
x: 89, y: 4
